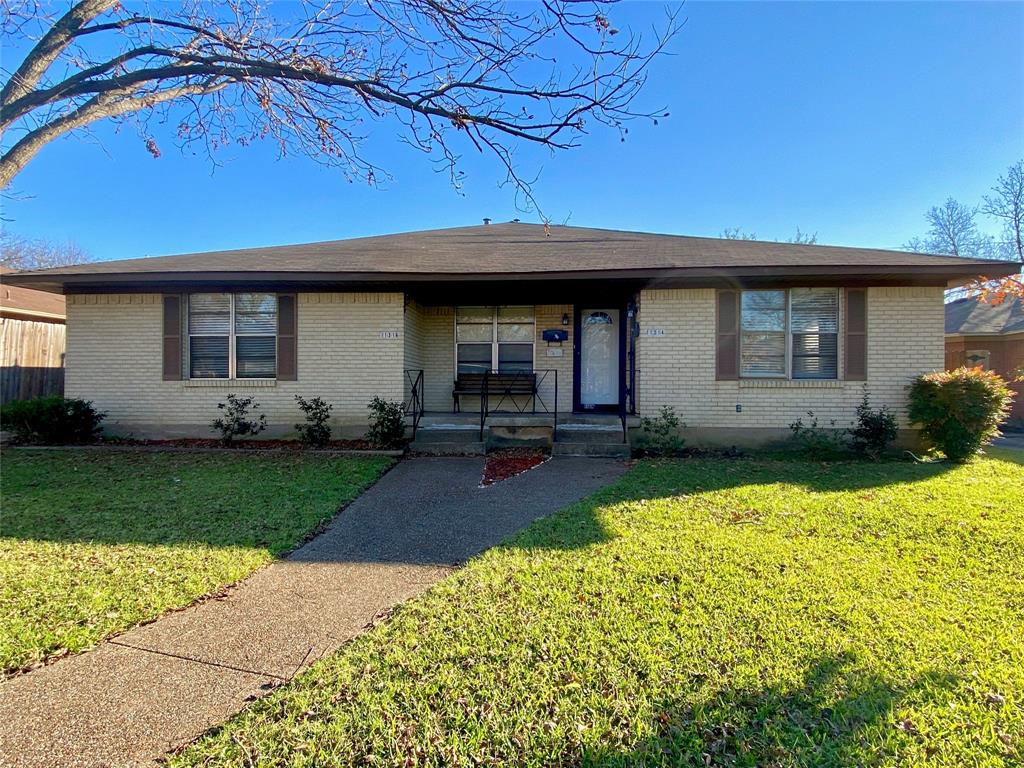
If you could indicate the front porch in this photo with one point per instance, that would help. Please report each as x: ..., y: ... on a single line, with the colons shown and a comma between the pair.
x: 485, y: 369
x: 602, y: 434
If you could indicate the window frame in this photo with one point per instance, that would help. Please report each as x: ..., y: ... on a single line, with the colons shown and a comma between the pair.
x: 985, y: 356
x: 232, y: 336
x: 495, y: 344
x: 788, y: 333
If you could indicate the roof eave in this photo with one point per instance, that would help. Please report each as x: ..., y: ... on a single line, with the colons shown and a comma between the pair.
x: 919, y: 274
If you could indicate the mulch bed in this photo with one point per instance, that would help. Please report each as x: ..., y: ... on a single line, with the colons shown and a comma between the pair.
x: 295, y: 445
x: 501, y: 465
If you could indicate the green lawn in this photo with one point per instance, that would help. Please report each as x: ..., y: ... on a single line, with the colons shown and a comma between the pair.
x: 699, y: 612
x: 93, y: 543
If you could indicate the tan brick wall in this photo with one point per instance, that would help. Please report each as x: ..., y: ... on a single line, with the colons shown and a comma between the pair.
x: 114, y: 359
x: 433, y: 328
x: 413, y: 336
x: 430, y: 341
x: 905, y: 338
x: 550, y: 316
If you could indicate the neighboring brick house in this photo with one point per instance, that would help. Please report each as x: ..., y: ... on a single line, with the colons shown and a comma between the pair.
x: 31, y: 341
x: 740, y: 337
x: 989, y: 335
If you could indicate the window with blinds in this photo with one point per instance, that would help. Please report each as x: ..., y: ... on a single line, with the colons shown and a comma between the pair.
x: 232, y: 336
x: 790, y: 333
x: 814, y: 324
x: 763, y: 336
x: 494, y: 339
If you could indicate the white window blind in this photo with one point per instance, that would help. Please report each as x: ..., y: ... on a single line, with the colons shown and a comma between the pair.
x: 209, y: 329
x: 255, y: 335
x: 494, y: 339
x: 814, y: 323
x: 792, y: 333
x: 763, y: 339
x: 232, y: 335
x: 515, y: 339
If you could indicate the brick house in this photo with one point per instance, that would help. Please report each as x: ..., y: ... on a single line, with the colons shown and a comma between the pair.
x: 989, y: 335
x: 509, y: 331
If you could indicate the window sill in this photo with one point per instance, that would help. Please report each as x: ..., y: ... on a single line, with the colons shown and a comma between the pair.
x: 229, y: 383
x: 791, y: 384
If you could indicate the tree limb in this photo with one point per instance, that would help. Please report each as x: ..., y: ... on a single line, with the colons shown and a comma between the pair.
x: 104, y: 105
x: 52, y: 44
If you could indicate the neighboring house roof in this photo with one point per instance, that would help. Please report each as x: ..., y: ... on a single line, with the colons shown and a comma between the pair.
x: 27, y: 303
x: 515, y: 250
x: 971, y: 317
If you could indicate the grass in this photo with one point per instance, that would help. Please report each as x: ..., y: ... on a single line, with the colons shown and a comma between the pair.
x: 698, y: 612
x: 93, y: 543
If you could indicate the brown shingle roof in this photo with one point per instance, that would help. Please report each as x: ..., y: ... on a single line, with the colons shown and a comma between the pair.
x: 973, y: 316
x: 490, y: 251
x: 27, y: 303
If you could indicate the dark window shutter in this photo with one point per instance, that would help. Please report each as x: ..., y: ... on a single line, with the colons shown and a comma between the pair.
x: 856, y: 339
x: 727, y: 336
x: 287, y: 333
x: 172, y: 338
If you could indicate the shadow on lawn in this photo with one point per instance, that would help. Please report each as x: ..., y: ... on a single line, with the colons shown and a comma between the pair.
x: 822, y: 722
x: 580, y: 526
x: 441, y: 516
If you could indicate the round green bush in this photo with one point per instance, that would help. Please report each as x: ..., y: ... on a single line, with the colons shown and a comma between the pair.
x: 959, y: 411
x: 51, y: 420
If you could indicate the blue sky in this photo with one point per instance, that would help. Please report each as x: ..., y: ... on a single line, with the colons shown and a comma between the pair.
x: 844, y: 119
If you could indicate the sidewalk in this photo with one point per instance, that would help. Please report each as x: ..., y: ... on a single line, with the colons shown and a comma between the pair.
x: 159, y: 686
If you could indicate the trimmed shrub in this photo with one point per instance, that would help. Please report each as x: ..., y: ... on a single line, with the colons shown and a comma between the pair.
x: 51, y: 420
x: 818, y: 442
x: 316, y: 431
x: 387, y: 423
x: 874, y: 430
x: 659, y: 435
x: 236, y: 421
x: 959, y: 411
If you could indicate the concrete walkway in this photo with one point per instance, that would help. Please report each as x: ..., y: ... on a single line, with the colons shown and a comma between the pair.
x: 1010, y: 440
x: 159, y: 686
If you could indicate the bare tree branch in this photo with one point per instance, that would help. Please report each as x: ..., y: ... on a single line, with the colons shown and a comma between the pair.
x: 314, y: 76
x: 104, y: 105
x: 50, y: 46
x: 1006, y: 203
x: 18, y: 252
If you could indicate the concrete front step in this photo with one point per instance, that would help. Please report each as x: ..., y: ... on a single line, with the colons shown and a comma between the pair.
x: 589, y: 433
x: 448, y: 433
x: 450, y: 448
x: 597, y: 419
x: 612, y: 450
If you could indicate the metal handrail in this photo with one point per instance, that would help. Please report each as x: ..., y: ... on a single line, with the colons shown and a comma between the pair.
x: 539, y: 376
x: 415, y: 405
x: 628, y: 405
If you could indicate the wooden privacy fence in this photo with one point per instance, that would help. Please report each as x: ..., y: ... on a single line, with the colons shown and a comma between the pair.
x: 31, y: 359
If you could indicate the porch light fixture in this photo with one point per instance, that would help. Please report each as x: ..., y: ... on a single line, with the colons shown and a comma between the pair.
x: 565, y: 318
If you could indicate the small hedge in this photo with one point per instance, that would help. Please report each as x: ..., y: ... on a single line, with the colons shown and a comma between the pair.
x: 959, y: 411
x: 387, y: 423
x: 51, y: 420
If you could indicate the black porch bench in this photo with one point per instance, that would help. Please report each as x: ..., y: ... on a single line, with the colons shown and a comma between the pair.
x: 499, y: 385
